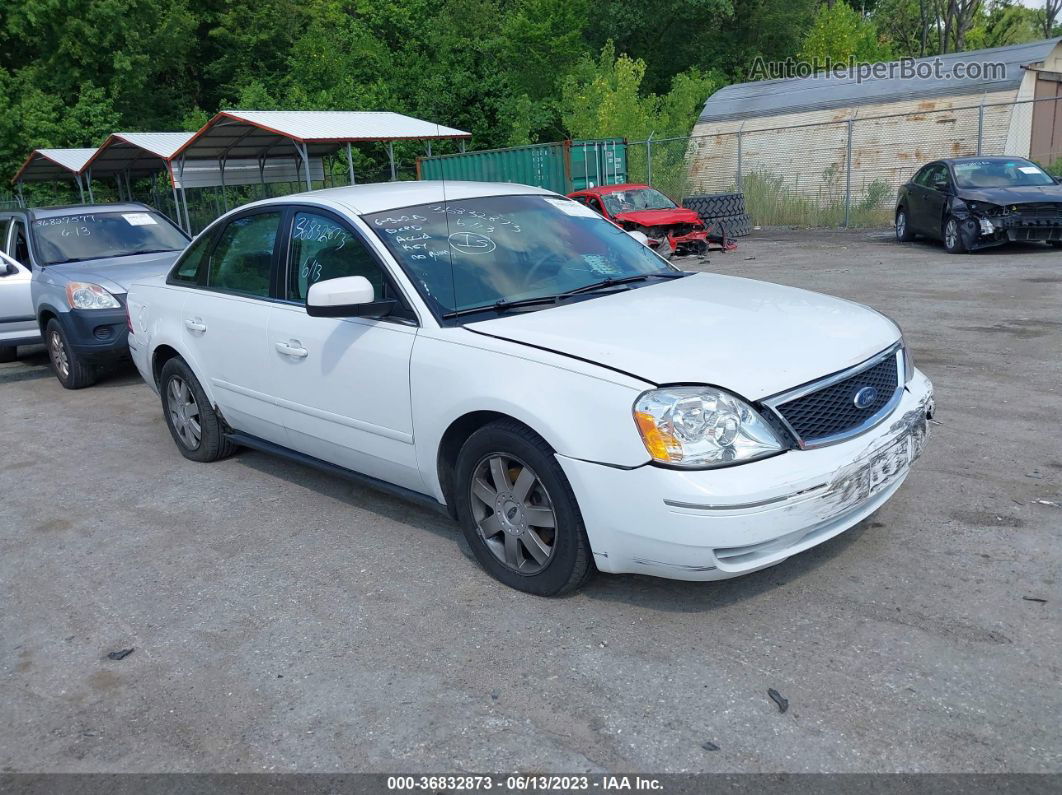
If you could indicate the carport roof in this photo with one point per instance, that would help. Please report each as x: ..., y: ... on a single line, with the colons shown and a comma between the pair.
x: 825, y: 92
x: 137, y: 154
x: 47, y: 164
x: 234, y: 134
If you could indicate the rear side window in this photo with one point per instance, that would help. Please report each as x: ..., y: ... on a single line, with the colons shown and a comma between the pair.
x: 242, y: 260
x: 186, y: 271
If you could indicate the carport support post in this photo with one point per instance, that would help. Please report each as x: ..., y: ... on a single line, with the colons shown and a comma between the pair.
x: 80, y: 187
x: 21, y: 198
x: 848, y: 175
x: 177, y: 205
x: 350, y: 164
x: 224, y: 193
x: 391, y: 157
x: 184, y: 195
x: 88, y: 183
x: 304, y: 155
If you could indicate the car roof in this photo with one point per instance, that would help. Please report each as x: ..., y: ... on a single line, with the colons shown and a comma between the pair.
x: 382, y: 196
x: 80, y: 209
x: 603, y: 189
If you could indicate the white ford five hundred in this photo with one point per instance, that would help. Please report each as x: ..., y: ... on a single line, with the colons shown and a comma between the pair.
x: 573, y: 400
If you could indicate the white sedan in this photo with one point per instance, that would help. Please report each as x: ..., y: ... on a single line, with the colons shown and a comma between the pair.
x: 574, y: 401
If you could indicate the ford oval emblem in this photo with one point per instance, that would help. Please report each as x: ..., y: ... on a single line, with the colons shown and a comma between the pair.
x: 865, y: 397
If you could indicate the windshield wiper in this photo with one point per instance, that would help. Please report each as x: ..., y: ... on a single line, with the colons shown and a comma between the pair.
x: 612, y: 282
x: 148, y: 251
x: 503, y: 306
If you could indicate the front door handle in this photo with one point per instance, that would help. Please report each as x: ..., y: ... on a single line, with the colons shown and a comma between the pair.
x: 196, y: 325
x: 292, y: 349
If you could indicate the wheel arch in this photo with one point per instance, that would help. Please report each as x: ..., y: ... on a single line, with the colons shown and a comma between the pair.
x: 454, y: 437
x: 47, y: 312
x: 162, y: 354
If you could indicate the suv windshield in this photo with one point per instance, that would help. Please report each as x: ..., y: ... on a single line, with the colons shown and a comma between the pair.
x: 503, y: 249
x: 1000, y: 174
x: 72, y: 238
x: 626, y: 201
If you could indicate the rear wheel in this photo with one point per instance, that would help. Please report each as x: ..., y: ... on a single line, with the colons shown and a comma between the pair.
x: 518, y: 512
x: 8, y: 355
x: 195, y: 426
x: 903, y: 226
x: 71, y: 369
x: 1055, y: 243
x: 953, y: 242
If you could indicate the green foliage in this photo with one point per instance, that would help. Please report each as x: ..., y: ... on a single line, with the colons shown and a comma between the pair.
x: 840, y: 33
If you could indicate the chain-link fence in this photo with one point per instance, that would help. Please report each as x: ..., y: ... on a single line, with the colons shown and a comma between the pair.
x: 845, y: 172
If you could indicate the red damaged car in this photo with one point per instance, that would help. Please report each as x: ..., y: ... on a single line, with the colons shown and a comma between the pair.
x: 671, y: 229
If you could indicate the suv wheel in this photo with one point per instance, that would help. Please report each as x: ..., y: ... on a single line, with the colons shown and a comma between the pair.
x: 953, y: 243
x: 72, y: 370
x: 193, y: 423
x: 518, y: 512
x: 903, y: 226
x: 8, y: 355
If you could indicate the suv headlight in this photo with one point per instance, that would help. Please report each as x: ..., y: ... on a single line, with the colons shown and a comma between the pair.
x: 84, y: 295
x: 699, y: 427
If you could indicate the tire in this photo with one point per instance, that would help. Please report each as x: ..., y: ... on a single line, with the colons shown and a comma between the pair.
x: 952, y: 235
x: 8, y: 355
x: 903, y: 226
x: 716, y: 205
x: 71, y: 369
x: 186, y: 407
x: 1055, y: 243
x: 502, y: 526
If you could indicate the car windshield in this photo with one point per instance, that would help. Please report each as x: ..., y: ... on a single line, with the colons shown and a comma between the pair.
x: 503, y: 249
x: 73, y: 238
x: 1000, y: 174
x: 626, y: 201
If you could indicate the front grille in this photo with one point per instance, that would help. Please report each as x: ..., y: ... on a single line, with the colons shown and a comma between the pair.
x: 1048, y: 210
x: 832, y: 411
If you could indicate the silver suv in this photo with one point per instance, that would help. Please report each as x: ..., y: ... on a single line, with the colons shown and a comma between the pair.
x: 82, y: 259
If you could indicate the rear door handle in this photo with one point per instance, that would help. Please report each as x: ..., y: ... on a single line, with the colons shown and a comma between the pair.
x: 293, y: 349
x: 197, y: 325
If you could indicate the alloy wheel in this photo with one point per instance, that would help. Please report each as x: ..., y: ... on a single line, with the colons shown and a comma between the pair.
x: 513, y: 512
x: 59, y: 356
x: 951, y: 234
x: 184, y: 412
x: 901, y: 224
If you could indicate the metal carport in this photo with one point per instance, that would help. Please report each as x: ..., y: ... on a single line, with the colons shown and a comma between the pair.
x: 260, y: 135
x: 44, y: 165
x: 132, y: 155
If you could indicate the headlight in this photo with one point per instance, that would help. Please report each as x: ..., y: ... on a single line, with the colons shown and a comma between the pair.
x: 985, y: 208
x: 83, y: 295
x: 699, y: 427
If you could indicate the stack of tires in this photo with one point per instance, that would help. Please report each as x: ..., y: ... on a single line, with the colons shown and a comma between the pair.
x: 721, y: 213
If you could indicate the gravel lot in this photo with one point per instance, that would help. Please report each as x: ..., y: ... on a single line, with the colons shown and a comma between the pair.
x: 285, y: 620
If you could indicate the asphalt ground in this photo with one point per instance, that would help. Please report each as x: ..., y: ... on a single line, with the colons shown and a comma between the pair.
x: 285, y: 620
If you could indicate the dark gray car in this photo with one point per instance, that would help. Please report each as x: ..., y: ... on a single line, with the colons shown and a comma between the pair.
x: 976, y: 202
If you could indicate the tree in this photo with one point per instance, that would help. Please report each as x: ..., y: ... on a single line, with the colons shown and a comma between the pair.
x: 839, y: 34
x: 1048, y: 16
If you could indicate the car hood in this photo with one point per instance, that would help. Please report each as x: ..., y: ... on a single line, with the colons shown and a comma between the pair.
x: 678, y: 215
x: 750, y: 337
x: 115, y: 274
x: 1028, y: 193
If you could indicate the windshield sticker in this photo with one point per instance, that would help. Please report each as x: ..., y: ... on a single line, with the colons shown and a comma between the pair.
x: 139, y: 219
x: 1029, y: 170
x: 573, y: 208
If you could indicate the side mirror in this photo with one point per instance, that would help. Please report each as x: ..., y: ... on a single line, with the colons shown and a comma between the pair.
x: 348, y: 296
x: 1058, y: 180
x: 9, y: 269
x: 641, y: 237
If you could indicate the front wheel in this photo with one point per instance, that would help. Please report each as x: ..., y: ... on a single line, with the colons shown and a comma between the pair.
x: 518, y: 512
x: 71, y: 369
x: 953, y: 242
x: 903, y: 226
x: 195, y: 426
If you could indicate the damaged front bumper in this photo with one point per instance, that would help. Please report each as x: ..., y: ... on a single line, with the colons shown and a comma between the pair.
x: 984, y: 231
x: 715, y: 524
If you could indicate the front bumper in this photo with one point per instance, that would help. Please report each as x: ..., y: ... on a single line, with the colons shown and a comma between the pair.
x: 984, y: 232
x: 98, y: 335
x: 715, y: 524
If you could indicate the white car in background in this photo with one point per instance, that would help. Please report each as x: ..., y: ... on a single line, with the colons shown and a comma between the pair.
x: 572, y: 399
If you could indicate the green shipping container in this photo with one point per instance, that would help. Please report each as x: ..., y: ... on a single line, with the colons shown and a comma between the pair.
x: 562, y: 167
